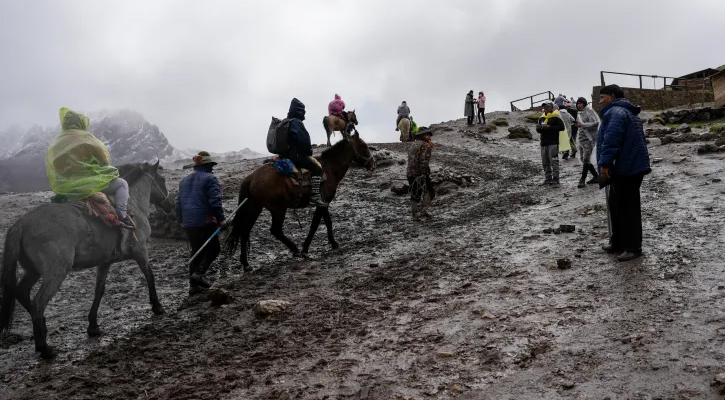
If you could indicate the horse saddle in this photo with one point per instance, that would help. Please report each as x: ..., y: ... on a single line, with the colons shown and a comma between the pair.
x: 298, y: 176
x: 103, y: 206
x: 302, y: 177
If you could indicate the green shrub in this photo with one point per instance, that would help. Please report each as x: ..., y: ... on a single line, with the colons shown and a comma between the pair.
x: 717, y: 128
x: 533, y: 117
x: 501, y: 122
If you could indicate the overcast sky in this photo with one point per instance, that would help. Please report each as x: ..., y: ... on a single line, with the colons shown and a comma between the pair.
x: 211, y: 74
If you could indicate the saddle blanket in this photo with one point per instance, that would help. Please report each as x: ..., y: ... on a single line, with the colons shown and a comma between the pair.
x: 102, y: 206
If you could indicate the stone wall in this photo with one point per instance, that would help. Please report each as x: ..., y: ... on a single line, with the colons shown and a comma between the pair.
x: 654, y: 99
x: 718, y: 85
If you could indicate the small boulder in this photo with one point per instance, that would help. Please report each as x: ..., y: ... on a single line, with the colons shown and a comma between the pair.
x: 520, y: 132
x: 501, y: 122
x: 684, y: 128
x: 563, y: 263
x: 265, y: 308
x: 446, y: 187
x: 219, y: 297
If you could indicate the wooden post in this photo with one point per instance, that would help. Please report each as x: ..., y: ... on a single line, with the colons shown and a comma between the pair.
x: 640, y: 81
x: 601, y: 75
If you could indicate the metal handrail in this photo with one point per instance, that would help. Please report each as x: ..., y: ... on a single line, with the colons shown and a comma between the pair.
x: 550, y: 96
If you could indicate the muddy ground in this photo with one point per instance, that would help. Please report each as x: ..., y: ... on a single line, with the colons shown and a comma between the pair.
x: 469, y: 305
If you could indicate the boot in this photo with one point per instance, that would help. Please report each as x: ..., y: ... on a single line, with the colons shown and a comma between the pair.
x: 316, y: 187
x: 629, y: 255
x: 555, y: 182
x: 582, y: 182
x: 415, y: 210
x: 593, y: 170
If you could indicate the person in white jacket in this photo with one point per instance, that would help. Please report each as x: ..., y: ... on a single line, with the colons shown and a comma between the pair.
x: 588, y: 122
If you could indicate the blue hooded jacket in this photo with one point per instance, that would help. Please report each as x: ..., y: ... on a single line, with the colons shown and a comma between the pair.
x: 300, y: 145
x: 621, y: 145
x: 199, y: 201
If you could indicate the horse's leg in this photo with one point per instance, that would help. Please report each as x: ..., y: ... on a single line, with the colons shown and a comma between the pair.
x: 313, y: 228
x: 101, y: 274
x: 142, y: 259
x: 278, y: 216
x: 328, y: 224
x: 48, y: 288
x: 29, y: 279
x: 250, y: 214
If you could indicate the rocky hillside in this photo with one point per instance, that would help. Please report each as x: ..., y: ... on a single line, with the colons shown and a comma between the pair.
x: 129, y: 137
x: 483, y: 301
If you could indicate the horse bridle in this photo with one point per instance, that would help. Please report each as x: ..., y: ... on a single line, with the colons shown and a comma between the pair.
x: 153, y: 180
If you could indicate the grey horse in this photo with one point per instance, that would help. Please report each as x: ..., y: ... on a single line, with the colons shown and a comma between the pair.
x: 53, y: 239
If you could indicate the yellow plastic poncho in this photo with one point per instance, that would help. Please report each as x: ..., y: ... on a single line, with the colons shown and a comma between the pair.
x: 77, y: 163
x: 564, y: 144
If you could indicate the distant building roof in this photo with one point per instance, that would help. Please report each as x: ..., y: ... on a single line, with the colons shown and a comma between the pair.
x: 697, y: 75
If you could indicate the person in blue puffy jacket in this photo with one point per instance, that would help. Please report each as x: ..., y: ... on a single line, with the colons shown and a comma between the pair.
x: 623, y: 161
x: 199, y: 210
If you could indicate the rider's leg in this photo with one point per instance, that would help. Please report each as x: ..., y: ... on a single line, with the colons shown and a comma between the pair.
x: 119, y: 188
x: 316, y: 182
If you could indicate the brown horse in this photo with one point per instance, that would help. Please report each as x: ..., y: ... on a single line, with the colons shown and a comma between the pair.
x: 266, y: 188
x: 334, y: 123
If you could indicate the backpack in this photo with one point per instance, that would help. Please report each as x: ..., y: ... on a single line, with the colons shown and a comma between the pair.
x: 277, y: 136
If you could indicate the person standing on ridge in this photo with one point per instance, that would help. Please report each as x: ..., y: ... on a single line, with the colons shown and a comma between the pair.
x: 588, y: 123
x: 403, y: 112
x: 560, y: 100
x: 199, y: 210
x: 468, y: 109
x: 481, y: 107
x: 623, y: 162
x: 549, y: 126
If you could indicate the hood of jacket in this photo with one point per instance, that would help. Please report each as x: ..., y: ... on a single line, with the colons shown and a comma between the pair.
x: 296, y: 110
x: 337, y: 97
x: 624, y: 103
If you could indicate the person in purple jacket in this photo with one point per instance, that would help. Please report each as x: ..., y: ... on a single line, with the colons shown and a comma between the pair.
x: 199, y: 210
x: 623, y: 161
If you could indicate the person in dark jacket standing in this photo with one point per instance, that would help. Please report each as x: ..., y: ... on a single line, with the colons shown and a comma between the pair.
x: 199, y: 210
x: 549, y: 126
x: 468, y: 108
x: 300, y: 150
x: 623, y: 161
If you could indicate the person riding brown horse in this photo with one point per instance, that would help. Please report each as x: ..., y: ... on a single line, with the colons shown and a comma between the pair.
x: 266, y: 188
x: 333, y: 123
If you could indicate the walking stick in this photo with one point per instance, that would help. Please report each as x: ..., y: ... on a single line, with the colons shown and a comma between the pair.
x: 216, y: 232
x: 609, y: 213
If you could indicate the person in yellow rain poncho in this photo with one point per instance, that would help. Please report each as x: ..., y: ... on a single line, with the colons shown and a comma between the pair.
x: 79, y: 165
x: 553, y: 134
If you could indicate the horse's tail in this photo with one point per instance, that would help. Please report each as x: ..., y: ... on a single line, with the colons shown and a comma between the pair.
x: 326, y: 124
x: 8, y: 276
x: 233, y: 237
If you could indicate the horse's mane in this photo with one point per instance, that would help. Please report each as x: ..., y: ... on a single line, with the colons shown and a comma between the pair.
x: 131, y: 172
x: 335, y: 151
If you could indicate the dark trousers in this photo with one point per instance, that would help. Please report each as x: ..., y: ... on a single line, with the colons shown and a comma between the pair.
x: 481, y: 114
x: 197, y: 237
x: 626, y: 210
x: 469, y: 120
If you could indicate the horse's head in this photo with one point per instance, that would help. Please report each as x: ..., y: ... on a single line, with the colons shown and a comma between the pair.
x: 352, y: 117
x: 159, y: 192
x: 363, y: 156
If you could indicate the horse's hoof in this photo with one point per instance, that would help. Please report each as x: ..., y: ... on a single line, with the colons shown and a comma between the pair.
x: 335, y: 245
x: 47, y: 353
x: 301, y: 255
x: 157, y: 308
x: 94, y: 331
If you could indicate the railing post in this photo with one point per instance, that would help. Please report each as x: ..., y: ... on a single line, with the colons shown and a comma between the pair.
x: 640, y: 81
x: 601, y: 75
